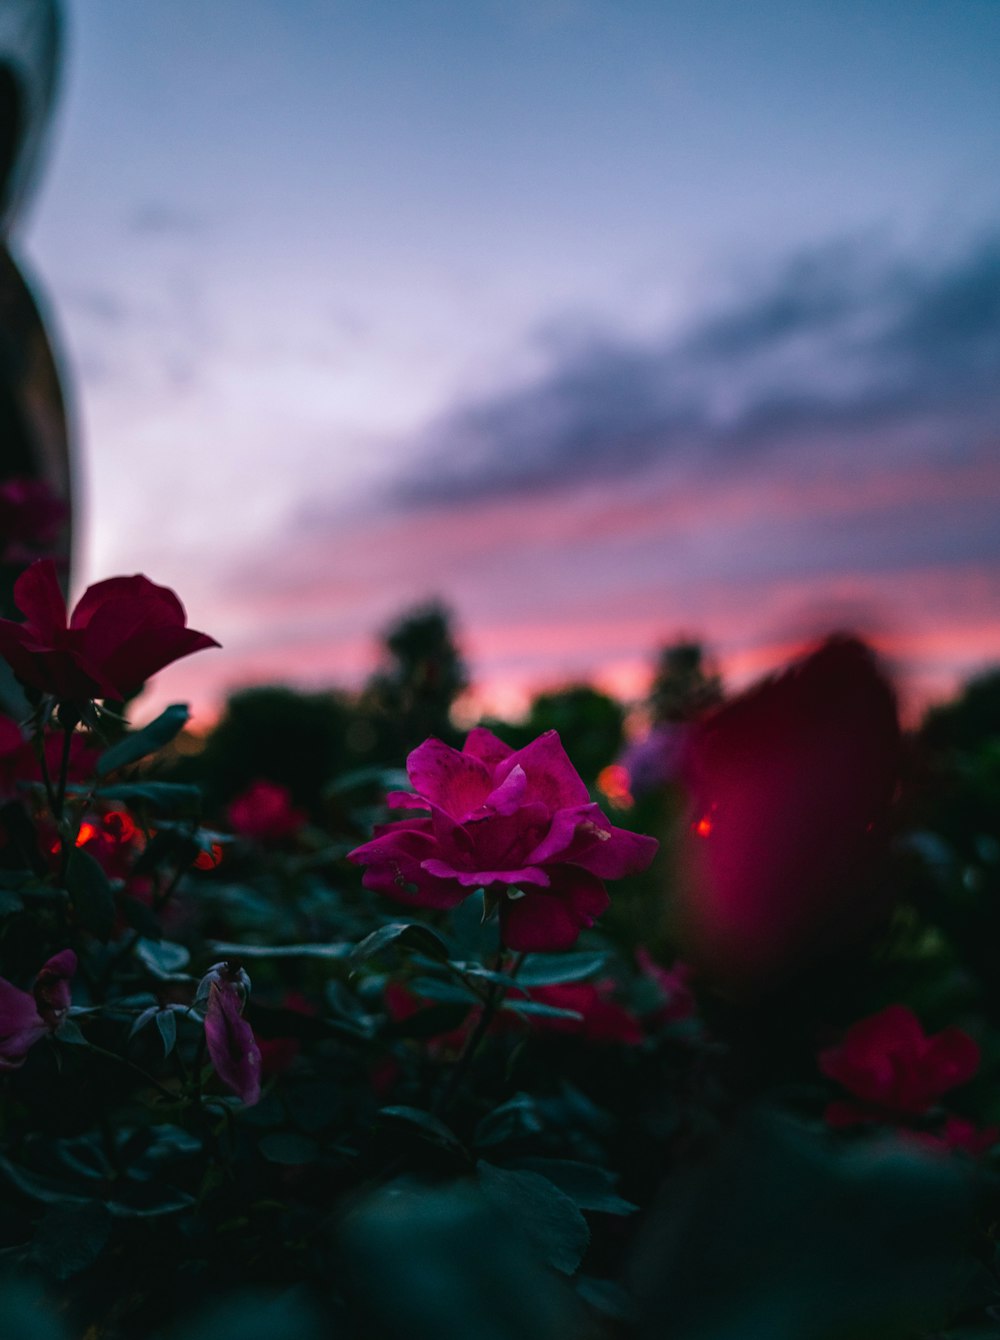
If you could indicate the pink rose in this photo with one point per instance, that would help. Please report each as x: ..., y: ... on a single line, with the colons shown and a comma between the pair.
x: 519, y: 825
x: 121, y: 632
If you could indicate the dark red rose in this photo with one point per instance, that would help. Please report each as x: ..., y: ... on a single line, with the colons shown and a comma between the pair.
x: 789, y: 784
x: 893, y: 1069
x: 265, y: 811
x: 121, y: 632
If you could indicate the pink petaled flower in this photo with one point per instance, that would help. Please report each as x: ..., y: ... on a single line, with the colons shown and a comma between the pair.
x: 27, y: 1016
x: 789, y: 784
x: 893, y: 1068
x: 232, y: 1046
x: 674, y: 986
x: 121, y: 632
x: 31, y: 517
x: 265, y: 811
x: 519, y: 825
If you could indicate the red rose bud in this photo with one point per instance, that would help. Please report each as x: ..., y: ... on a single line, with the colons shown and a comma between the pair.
x: 788, y: 785
x: 519, y: 825
x: 121, y: 632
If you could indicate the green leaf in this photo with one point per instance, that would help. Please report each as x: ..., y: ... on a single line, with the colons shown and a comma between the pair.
x: 288, y: 1148
x: 137, y: 744
x: 454, y: 993
x: 26, y: 1315
x: 511, y: 1121
x: 588, y: 1186
x: 403, y: 934
x: 538, y: 1210
x: 166, y: 797
x: 229, y: 949
x: 166, y: 1023
x: 422, y: 1123
x: 389, y: 779
x: 91, y: 894
x: 69, y: 1238
x: 550, y: 969
x: 538, y: 1009
x: 163, y: 958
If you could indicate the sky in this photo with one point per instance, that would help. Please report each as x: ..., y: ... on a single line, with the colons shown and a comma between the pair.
x: 604, y: 321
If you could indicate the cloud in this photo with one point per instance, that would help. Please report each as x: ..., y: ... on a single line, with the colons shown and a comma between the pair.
x: 156, y: 218
x: 842, y: 344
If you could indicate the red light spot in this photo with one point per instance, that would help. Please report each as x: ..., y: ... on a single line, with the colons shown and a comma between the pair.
x: 87, y: 831
x: 613, y: 782
x: 208, y: 860
x: 704, y: 826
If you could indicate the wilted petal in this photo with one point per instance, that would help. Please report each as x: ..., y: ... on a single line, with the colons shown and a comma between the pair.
x: 231, y: 1044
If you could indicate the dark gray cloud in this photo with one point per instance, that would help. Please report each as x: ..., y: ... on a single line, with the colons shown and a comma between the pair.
x: 846, y: 349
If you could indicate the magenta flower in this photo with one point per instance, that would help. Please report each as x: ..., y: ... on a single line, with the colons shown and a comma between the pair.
x: 27, y: 1016
x: 121, y: 632
x: 519, y: 825
x: 894, y: 1069
x: 265, y: 811
x: 232, y: 1046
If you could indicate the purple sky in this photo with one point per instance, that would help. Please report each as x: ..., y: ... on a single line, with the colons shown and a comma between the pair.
x: 602, y: 322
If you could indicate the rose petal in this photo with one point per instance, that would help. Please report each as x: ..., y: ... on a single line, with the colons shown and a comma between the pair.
x: 552, y: 779
x: 483, y: 744
x: 457, y: 783
x: 39, y: 597
x: 553, y: 918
